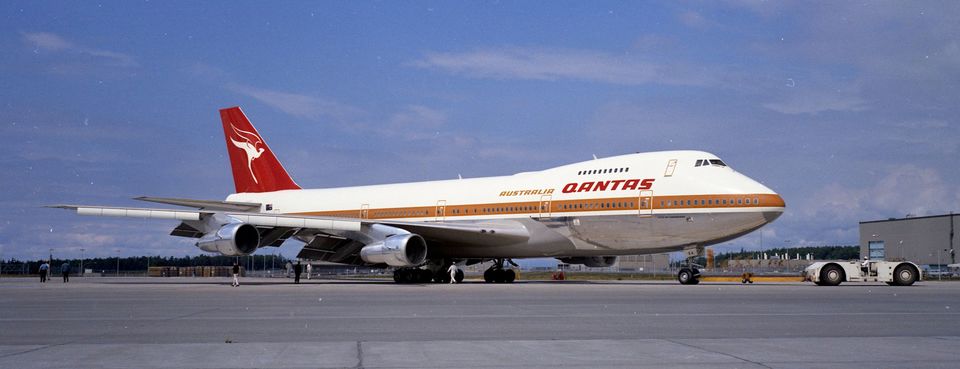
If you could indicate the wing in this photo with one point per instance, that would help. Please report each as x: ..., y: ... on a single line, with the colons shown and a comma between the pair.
x: 333, y: 239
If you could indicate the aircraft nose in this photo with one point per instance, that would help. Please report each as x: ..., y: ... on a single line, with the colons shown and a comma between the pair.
x: 776, y: 202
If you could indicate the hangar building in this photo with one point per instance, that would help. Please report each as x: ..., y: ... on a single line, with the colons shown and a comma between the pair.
x: 923, y: 240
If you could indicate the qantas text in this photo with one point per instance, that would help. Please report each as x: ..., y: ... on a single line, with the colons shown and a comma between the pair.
x: 628, y: 184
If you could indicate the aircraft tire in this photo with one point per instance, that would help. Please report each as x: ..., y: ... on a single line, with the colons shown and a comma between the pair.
x: 488, y: 275
x: 459, y: 277
x: 509, y: 276
x: 685, y: 276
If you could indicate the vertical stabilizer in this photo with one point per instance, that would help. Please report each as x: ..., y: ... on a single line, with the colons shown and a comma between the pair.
x: 255, y: 168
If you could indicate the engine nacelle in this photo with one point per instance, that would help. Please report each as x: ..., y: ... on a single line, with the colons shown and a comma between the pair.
x: 591, y: 261
x: 234, y: 239
x: 402, y: 250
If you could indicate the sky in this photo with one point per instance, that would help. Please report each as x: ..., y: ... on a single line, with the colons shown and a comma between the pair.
x: 847, y: 109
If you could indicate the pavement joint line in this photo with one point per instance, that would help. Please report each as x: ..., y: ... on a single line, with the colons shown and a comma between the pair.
x: 33, y: 350
x: 717, y: 352
x: 359, y: 355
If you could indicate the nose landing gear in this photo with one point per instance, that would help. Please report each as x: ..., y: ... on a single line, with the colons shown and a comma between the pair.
x: 689, y: 274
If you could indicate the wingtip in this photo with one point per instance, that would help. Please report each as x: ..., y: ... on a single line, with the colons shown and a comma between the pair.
x: 59, y: 206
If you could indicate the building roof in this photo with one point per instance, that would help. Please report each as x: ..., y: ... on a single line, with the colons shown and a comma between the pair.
x: 910, y: 218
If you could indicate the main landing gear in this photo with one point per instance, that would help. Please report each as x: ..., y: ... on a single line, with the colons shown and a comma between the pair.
x: 497, y: 274
x: 433, y: 272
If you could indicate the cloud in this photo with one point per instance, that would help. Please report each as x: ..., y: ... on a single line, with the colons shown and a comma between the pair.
x: 303, y: 106
x: 696, y: 20
x: 803, y: 100
x: 899, y: 190
x: 52, y: 43
x: 415, y: 122
x: 566, y: 64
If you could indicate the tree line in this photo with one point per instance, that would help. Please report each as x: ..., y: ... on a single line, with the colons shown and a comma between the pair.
x: 140, y: 263
x: 818, y: 252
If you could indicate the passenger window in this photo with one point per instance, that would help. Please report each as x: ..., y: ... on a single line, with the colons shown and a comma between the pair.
x: 756, y: 201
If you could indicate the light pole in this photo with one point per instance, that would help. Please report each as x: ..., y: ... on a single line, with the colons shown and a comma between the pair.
x: 81, y: 262
x: 939, y: 266
x: 118, y: 263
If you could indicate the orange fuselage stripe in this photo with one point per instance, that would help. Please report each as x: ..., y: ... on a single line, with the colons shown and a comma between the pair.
x: 637, y: 203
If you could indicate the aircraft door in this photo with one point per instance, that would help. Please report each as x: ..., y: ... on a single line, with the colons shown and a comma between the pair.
x: 545, y: 210
x: 441, y: 210
x: 365, y: 211
x: 671, y: 166
x: 645, y: 204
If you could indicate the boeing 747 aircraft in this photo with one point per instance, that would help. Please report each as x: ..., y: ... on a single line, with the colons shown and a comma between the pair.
x: 582, y: 213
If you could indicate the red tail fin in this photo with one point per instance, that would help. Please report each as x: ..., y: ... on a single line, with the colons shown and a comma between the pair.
x: 255, y: 168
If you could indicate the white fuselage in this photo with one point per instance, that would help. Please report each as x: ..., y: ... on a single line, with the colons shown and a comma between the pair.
x: 630, y: 204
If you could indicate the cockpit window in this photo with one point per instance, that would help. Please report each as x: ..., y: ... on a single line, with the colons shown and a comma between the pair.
x: 699, y: 163
x: 717, y: 162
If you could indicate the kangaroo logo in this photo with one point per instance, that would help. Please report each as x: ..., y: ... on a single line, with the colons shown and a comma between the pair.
x: 248, y: 141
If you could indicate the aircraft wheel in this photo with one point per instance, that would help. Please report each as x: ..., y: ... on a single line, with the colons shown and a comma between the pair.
x: 904, y: 275
x: 459, y: 276
x: 831, y: 275
x: 509, y: 276
x: 426, y: 276
x: 685, y: 276
x: 489, y: 275
x: 396, y: 276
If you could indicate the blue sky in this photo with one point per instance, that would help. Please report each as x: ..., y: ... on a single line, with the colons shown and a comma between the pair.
x: 847, y: 109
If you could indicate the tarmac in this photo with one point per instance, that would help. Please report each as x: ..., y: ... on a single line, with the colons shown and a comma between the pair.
x: 272, y: 323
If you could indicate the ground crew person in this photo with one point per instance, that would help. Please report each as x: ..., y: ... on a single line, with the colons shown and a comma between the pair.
x: 453, y: 273
x: 44, y: 268
x: 236, y: 274
x: 309, y: 270
x: 297, y: 269
x: 65, y: 270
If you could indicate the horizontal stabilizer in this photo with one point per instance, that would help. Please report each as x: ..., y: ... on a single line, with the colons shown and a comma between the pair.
x: 205, y: 204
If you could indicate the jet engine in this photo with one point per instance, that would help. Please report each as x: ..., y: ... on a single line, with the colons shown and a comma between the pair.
x: 234, y: 239
x: 402, y: 250
x: 591, y: 261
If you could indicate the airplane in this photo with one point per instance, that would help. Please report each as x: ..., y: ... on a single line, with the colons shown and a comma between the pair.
x: 587, y: 213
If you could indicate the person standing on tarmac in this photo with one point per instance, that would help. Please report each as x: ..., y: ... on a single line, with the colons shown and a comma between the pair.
x: 65, y: 270
x: 453, y: 273
x: 236, y: 274
x: 309, y: 270
x: 44, y: 268
x: 297, y: 269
